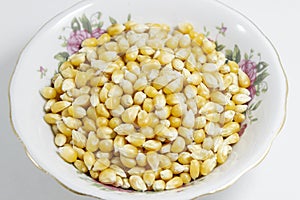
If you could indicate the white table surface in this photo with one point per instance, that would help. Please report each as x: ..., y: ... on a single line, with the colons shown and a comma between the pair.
x: 275, y: 178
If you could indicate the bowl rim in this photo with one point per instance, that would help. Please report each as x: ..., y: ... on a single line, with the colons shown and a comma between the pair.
x: 228, y: 184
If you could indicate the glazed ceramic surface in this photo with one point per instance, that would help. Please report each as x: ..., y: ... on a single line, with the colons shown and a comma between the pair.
x: 234, y: 34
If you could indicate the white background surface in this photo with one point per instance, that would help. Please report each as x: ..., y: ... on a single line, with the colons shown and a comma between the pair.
x: 275, y: 178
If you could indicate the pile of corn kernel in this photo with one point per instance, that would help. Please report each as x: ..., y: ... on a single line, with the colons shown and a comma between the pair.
x: 146, y: 107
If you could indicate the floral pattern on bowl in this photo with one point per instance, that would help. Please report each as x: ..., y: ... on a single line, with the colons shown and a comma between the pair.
x: 235, y: 36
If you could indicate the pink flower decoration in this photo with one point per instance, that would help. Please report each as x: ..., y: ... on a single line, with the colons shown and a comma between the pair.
x: 75, y: 40
x: 97, y: 32
x: 242, y: 130
x: 249, y: 67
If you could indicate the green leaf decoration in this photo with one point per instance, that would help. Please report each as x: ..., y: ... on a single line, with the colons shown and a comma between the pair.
x: 220, y: 47
x: 236, y: 55
x: 261, y: 77
x: 261, y: 66
x: 112, y: 20
x: 129, y: 17
x: 246, y: 57
x: 86, y: 23
x: 228, y: 54
x: 256, y: 105
x: 75, y: 25
x: 100, y: 24
x: 62, y: 56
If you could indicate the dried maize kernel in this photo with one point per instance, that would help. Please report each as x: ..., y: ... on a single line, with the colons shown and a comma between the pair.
x: 68, y: 153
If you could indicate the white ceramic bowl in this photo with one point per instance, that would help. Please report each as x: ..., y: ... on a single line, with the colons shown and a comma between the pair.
x: 253, y: 51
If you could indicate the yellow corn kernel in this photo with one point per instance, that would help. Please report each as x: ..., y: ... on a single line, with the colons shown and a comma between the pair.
x: 164, y: 162
x: 150, y: 91
x: 114, y: 122
x: 79, y: 139
x: 163, y: 113
x: 101, y: 164
x: 79, y: 164
x: 115, y: 29
x: 89, y: 42
x: 143, y: 119
x: 129, y: 151
x: 101, y: 121
x: 124, y: 129
x: 240, y: 99
x: 71, y: 122
x: 132, y: 53
x: 185, y: 27
x: 232, y: 139
x: 52, y: 118
x: 148, y: 105
x: 230, y: 105
x: 203, y: 91
x: 77, y: 111
x: 178, y: 145
x: 68, y: 153
x: 193, y: 34
x: 79, y: 152
x: 130, y: 114
x: 152, y: 145
x: 174, y: 86
x: 175, y: 182
x: 117, y: 76
x: 145, y: 50
x: 77, y: 59
x: 136, y: 171
x: 199, y: 136
x: 140, y: 84
x: 195, y: 79
x: 60, y: 106
x: 141, y: 160
x: 223, y: 153
x: 108, y: 176
x: 137, y: 183
x: 239, y: 117
x: 126, y: 100
x: 200, y: 122
x: 149, y: 177
x: 175, y: 121
x: 106, y: 145
x: 208, y: 165
x: 102, y: 111
x: 119, y: 142
x: 105, y: 132
x: 89, y: 159
x: 94, y: 174
x: 112, y: 102
x: 199, y: 39
x: 139, y: 98
x: 234, y: 67
x: 165, y: 57
x: 128, y: 162
x: 208, y: 46
x: 195, y: 169
x: 159, y: 185
x: 104, y: 38
x: 184, y: 158
x: 65, y: 65
x: 60, y: 140
x: 177, y: 110
x: 166, y: 174
x: 48, y: 92
x: 92, y: 142
x: 136, y: 139
x: 186, y: 177
x: 153, y: 160
x: 172, y: 43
